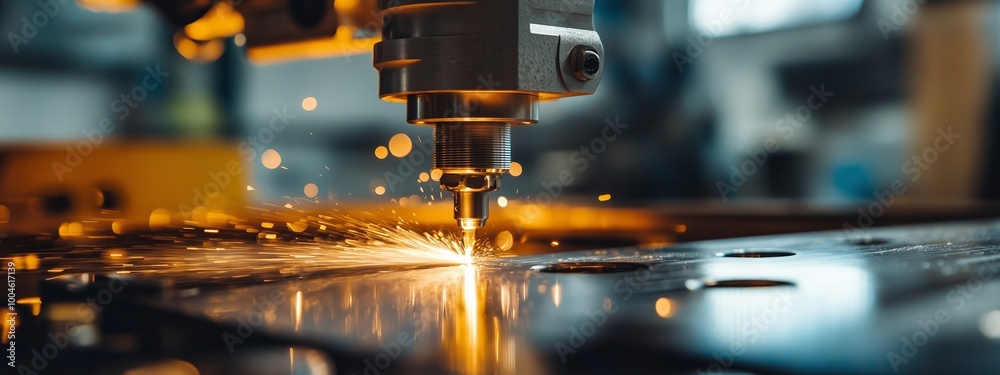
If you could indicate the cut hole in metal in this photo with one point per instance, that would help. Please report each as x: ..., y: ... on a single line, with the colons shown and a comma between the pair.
x: 588, y: 267
x: 869, y: 241
x: 746, y: 284
x: 756, y: 254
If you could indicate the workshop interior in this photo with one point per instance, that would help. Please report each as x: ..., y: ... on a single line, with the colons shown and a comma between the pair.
x: 500, y: 186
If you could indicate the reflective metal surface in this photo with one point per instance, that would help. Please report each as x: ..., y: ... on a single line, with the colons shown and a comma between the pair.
x: 913, y: 300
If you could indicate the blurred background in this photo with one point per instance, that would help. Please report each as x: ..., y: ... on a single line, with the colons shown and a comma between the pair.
x: 825, y: 103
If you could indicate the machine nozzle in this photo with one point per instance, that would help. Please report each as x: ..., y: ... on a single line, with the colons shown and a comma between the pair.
x: 472, y: 208
x: 472, y: 157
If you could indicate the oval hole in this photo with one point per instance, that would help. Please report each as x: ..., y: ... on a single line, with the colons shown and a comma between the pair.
x: 746, y: 284
x: 756, y: 254
x: 868, y: 241
x: 588, y: 267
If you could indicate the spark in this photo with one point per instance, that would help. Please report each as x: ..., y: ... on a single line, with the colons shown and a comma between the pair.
x: 304, y: 244
x: 400, y: 145
x: 271, y: 159
x: 516, y: 169
x: 309, y: 104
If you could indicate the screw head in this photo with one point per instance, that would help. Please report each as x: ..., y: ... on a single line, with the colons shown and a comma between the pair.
x: 586, y: 63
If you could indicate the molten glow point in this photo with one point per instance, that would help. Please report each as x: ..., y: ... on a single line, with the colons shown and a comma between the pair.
x: 400, y: 145
x: 380, y: 190
x: 663, y: 307
x: 271, y: 159
x: 604, y: 197
x: 311, y: 190
x: 468, y: 241
x: 309, y: 104
x: 381, y: 152
x: 502, y: 201
x: 516, y: 169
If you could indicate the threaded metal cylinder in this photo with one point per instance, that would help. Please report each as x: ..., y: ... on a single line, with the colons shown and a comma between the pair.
x: 470, y: 147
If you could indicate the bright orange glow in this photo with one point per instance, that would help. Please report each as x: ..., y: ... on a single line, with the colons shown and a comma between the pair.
x: 309, y: 104
x: 664, y: 307
x: 400, y: 145
x: 311, y: 190
x: 298, y: 226
x: 222, y: 21
x: 502, y: 201
x: 298, y: 310
x: 206, y: 51
x: 516, y: 169
x: 681, y: 228
x: 29, y: 301
x: 505, y: 241
x: 554, y: 243
x: 380, y: 190
x: 436, y: 174
x: 271, y: 159
x: 118, y: 227
x: 160, y: 217
x: 424, y: 177
x: 381, y: 152
x: 604, y: 197
x: 341, y: 44
x: 31, y: 262
x: 108, y: 6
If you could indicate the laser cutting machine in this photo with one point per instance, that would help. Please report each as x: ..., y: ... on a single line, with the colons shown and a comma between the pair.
x: 324, y: 287
x: 470, y: 69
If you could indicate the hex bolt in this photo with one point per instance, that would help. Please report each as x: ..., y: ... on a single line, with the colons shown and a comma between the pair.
x: 586, y: 63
